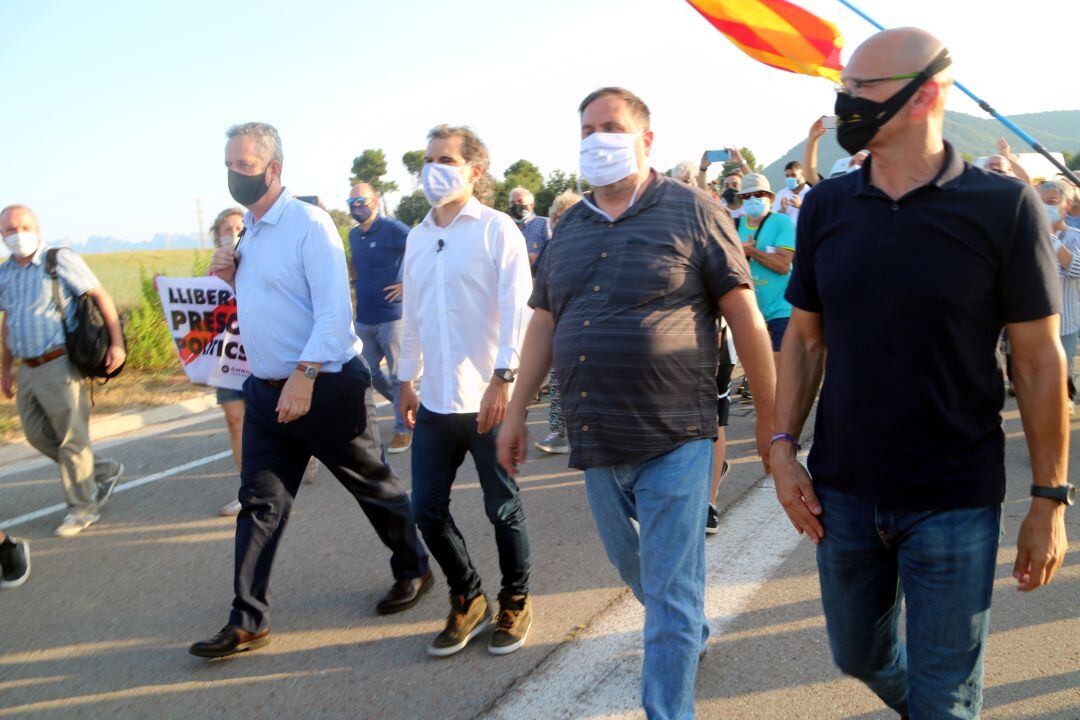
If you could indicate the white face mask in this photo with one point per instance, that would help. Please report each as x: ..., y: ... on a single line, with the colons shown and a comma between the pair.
x: 607, y: 158
x: 442, y: 183
x: 22, y: 244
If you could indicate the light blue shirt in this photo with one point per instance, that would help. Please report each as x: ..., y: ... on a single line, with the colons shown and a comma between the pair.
x: 292, y: 291
x: 26, y: 298
x: 1070, y: 283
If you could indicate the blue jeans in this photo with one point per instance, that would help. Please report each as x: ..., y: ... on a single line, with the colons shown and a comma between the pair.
x: 943, y: 563
x: 664, y: 565
x: 384, y: 341
x: 440, y: 443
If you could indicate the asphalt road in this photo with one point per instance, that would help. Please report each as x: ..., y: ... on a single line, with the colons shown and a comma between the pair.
x: 101, y: 629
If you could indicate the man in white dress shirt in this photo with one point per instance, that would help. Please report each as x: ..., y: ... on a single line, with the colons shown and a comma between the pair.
x: 309, y: 393
x: 467, y: 285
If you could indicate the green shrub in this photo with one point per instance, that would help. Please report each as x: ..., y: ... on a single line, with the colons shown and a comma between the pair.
x: 150, y: 344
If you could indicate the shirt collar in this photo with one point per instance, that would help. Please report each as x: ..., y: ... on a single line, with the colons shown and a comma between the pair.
x: 274, y: 213
x: 471, y: 209
x: 946, y: 179
x: 645, y: 199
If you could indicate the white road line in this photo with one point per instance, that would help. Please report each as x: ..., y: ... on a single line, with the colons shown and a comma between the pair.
x: 145, y: 480
x: 597, y: 675
x: 150, y: 431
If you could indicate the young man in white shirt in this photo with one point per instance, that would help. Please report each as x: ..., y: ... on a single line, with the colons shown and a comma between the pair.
x: 789, y: 199
x: 466, y: 289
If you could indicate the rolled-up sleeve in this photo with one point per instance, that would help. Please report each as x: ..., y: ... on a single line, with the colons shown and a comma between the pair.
x: 328, y: 279
x: 515, y: 288
x: 411, y: 362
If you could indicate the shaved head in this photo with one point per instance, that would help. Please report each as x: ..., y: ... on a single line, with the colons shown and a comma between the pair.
x: 894, y: 52
x: 363, y: 190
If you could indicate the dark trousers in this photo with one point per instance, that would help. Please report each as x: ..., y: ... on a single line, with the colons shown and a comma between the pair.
x: 340, y: 431
x: 439, y: 446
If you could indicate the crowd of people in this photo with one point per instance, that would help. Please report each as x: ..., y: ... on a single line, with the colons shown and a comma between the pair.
x: 632, y: 303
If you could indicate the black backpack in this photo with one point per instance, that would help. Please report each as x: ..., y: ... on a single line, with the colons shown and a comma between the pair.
x: 88, y: 342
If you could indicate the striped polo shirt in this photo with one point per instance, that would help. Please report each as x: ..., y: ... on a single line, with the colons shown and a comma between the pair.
x: 635, y: 303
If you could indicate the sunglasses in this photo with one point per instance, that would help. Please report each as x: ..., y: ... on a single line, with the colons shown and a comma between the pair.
x: 758, y: 194
x: 357, y: 201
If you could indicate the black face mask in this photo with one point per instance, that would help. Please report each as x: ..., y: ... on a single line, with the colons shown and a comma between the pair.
x: 361, y: 214
x: 518, y: 212
x: 859, y: 119
x: 247, y: 189
x: 729, y: 196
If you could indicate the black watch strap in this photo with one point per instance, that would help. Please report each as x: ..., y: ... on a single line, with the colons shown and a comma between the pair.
x: 505, y: 374
x: 1065, y: 494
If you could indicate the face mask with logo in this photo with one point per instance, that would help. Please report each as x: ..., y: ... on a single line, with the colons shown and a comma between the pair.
x: 1053, y: 212
x: 442, y: 183
x: 247, y: 189
x: 755, y: 206
x: 22, y: 244
x: 607, y: 158
x: 519, y: 212
x: 792, y: 183
x: 361, y: 213
x: 859, y: 119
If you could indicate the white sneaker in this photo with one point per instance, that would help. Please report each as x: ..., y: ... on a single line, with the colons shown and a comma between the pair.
x: 230, y: 509
x: 75, y: 523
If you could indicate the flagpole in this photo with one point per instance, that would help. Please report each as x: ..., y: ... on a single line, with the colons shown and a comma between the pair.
x: 1035, y: 144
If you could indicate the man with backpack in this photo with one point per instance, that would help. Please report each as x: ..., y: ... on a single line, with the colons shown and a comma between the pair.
x: 52, y: 398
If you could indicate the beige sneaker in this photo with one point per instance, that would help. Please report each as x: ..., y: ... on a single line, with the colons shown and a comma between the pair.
x: 399, y: 443
x: 512, y: 627
x: 467, y: 619
x: 75, y: 523
x: 230, y: 509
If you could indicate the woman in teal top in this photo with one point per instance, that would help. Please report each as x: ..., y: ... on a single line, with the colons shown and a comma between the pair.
x: 769, y: 241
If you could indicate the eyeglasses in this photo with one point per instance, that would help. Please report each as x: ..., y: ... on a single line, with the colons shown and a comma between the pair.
x: 850, y: 86
x: 357, y: 201
x: 758, y: 194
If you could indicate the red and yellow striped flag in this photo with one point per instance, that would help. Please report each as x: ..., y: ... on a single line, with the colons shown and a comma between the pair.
x: 778, y: 33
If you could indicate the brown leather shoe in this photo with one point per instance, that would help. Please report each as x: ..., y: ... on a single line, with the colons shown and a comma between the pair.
x: 230, y: 641
x: 404, y: 594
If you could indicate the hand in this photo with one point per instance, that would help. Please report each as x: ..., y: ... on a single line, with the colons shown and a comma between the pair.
x: 704, y: 160
x: 794, y: 201
x: 7, y: 383
x: 795, y: 490
x: 114, y: 357
x: 295, y: 399
x: 393, y: 292
x: 736, y: 156
x: 748, y: 247
x: 1041, y: 546
x: 784, y: 204
x: 493, y: 405
x: 154, y: 280
x: 816, y: 130
x: 408, y: 404
x: 512, y: 445
x: 223, y: 264
x: 1003, y: 147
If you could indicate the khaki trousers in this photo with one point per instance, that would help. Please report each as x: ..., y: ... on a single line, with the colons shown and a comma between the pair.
x: 55, y: 410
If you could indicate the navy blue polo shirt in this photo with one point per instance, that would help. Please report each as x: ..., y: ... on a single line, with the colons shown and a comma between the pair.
x: 913, y: 296
x: 377, y: 258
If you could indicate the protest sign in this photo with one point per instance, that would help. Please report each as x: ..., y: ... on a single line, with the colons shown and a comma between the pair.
x: 201, y: 314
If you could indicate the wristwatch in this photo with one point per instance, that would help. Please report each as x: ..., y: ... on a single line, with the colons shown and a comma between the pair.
x: 505, y: 374
x: 1065, y: 494
x: 309, y: 372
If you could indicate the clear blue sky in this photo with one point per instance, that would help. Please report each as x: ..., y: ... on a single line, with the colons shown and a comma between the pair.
x: 115, y: 111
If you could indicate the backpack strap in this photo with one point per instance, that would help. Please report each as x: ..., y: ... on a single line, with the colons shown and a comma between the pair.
x: 51, y: 268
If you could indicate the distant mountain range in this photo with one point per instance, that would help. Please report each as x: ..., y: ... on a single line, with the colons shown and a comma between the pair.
x: 160, y: 241
x: 1057, y: 130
